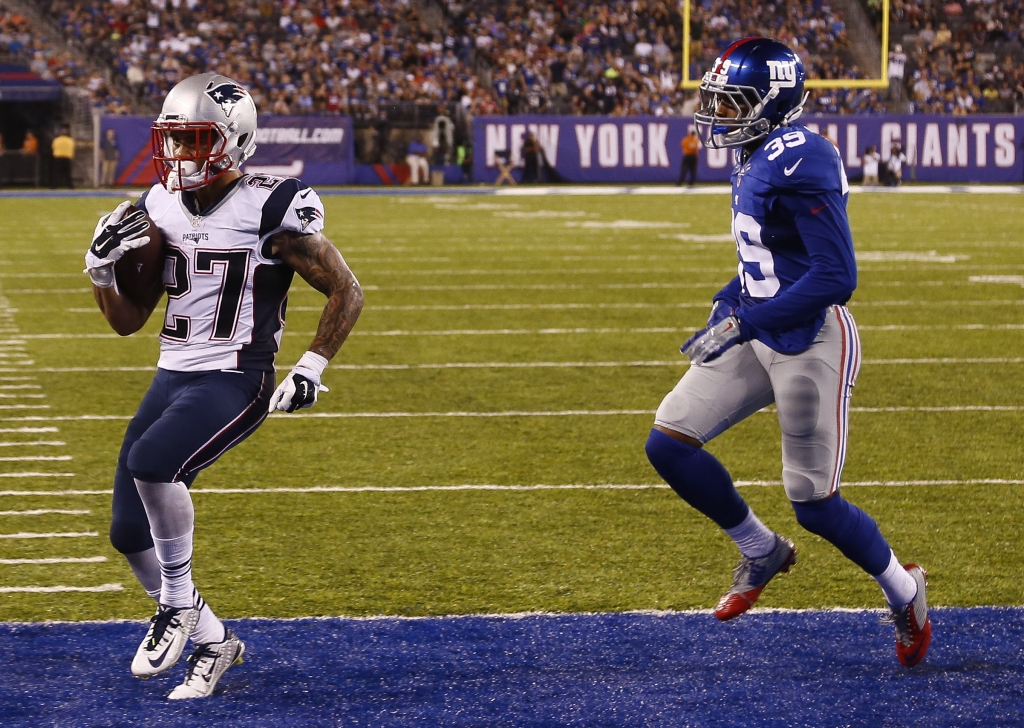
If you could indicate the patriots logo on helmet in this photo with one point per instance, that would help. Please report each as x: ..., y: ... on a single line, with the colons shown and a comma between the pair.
x: 227, y: 95
x: 307, y: 215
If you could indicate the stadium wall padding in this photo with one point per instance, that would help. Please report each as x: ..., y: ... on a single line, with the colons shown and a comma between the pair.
x: 318, y: 149
x: 633, y: 150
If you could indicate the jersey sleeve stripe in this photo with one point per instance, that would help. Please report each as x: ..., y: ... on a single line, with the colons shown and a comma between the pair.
x: 276, y: 206
x: 141, y: 204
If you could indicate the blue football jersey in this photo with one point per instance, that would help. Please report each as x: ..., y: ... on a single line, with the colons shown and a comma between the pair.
x: 792, y: 238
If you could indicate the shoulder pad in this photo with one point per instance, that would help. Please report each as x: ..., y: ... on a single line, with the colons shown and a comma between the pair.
x: 795, y: 157
x: 292, y: 205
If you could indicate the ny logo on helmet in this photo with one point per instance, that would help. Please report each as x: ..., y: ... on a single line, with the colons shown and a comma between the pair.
x: 782, y: 73
x: 227, y: 95
x: 307, y: 215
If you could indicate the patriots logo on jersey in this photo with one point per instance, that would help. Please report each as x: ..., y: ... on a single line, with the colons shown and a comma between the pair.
x: 307, y: 215
x: 227, y: 95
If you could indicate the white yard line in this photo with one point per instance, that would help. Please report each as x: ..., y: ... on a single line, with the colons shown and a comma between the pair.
x: 36, y: 458
x: 1012, y: 613
x: 43, y: 511
x: 724, y: 189
x: 34, y: 443
x: 557, y: 331
x: 47, y: 291
x: 58, y: 560
x: 282, y: 417
x: 37, y: 475
x: 680, y: 362
x: 61, y: 588
x: 66, y: 370
x: 495, y: 487
x: 58, y: 534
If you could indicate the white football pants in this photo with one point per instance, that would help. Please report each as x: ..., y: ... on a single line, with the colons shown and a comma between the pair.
x: 811, y: 391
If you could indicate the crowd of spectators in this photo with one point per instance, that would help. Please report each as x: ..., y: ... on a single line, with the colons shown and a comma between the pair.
x: 620, y: 57
x: 962, y: 58
x: 300, y: 57
x: 355, y: 56
x: 813, y: 30
x: 573, y: 56
x: 21, y: 42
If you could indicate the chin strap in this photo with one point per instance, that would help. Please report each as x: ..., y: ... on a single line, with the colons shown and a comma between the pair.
x: 756, y: 111
x: 795, y: 113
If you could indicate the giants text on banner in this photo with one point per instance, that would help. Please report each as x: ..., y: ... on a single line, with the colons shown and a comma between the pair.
x: 626, y: 150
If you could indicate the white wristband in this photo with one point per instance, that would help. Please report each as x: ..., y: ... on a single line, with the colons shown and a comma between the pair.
x: 314, y: 362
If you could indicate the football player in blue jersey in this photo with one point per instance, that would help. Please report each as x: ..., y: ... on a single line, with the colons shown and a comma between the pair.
x: 779, y: 332
x: 234, y: 242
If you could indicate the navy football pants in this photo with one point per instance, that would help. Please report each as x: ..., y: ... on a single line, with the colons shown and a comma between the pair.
x: 185, y: 422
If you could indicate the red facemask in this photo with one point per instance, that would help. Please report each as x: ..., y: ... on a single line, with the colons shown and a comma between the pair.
x: 207, y: 161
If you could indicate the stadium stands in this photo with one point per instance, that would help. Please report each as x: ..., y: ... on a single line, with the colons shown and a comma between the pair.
x: 23, y: 43
x: 963, y: 58
x: 395, y: 58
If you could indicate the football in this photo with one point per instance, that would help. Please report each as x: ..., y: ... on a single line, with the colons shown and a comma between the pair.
x: 140, y: 271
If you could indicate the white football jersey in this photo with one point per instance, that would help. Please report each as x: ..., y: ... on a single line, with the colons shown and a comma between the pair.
x: 226, y: 295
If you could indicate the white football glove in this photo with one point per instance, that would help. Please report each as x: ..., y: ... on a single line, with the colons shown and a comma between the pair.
x: 116, y: 233
x: 300, y: 387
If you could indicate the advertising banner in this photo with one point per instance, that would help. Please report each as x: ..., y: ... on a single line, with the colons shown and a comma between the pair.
x: 319, y: 149
x: 631, y: 150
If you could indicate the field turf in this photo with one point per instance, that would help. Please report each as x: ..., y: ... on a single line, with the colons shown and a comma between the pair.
x: 522, y: 341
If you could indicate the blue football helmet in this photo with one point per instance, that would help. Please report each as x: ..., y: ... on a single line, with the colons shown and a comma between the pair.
x: 756, y: 85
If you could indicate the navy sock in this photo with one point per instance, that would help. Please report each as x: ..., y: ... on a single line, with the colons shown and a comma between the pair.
x: 849, y: 529
x: 698, y: 478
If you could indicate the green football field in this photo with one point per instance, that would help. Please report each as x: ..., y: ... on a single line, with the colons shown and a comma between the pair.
x: 521, y: 341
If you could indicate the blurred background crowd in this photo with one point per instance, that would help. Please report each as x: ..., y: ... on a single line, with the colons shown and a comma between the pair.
x: 389, y: 63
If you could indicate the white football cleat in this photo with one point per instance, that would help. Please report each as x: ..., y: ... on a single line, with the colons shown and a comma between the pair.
x: 206, y: 665
x: 165, y: 641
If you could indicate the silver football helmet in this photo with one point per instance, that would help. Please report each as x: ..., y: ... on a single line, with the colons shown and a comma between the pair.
x: 206, y: 128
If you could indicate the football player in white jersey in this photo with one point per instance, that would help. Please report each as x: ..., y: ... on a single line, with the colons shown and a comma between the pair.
x: 233, y: 242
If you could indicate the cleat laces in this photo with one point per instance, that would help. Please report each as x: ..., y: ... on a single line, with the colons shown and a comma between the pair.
x: 900, y: 619
x: 164, y: 618
x: 203, y: 651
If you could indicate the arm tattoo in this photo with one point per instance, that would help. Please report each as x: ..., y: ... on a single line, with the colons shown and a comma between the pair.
x: 320, y: 264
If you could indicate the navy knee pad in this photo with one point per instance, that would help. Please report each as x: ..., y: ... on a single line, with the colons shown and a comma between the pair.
x: 848, y: 528
x: 130, y: 538
x: 698, y: 478
x: 150, y: 462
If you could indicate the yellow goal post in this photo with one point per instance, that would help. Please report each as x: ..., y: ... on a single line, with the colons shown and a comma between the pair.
x: 881, y: 82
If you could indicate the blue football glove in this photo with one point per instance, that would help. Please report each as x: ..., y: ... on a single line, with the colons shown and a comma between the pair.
x: 722, y: 332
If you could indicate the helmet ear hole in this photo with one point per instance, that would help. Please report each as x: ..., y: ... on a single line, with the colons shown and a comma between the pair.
x: 241, y: 141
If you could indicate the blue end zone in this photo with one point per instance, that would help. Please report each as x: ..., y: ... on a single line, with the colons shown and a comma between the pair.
x: 766, y: 669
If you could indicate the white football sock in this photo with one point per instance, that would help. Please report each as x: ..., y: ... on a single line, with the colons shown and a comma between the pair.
x: 753, y: 537
x: 146, y: 567
x: 175, y: 555
x: 898, y: 586
x: 209, y: 628
x: 171, y: 519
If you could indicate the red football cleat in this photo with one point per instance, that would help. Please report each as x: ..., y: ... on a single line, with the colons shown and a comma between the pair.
x: 751, y: 576
x: 913, y: 628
